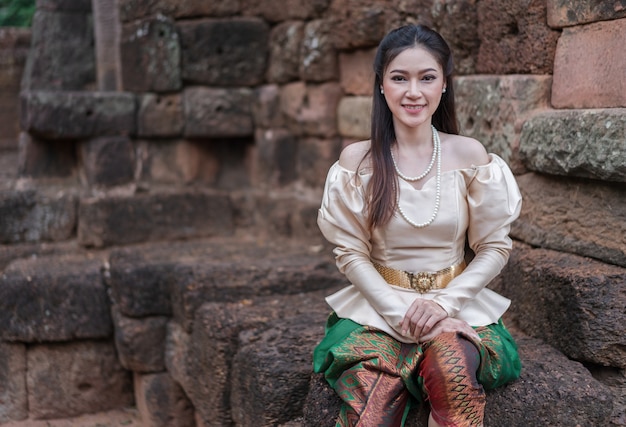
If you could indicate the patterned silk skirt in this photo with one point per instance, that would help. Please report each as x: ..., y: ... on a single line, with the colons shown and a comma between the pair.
x: 379, y: 378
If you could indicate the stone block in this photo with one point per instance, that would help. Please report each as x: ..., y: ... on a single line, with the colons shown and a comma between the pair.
x: 358, y: 23
x: 576, y: 143
x: 576, y: 304
x: 61, y: 55
x: 46, y: 159
x: 564, y: 13
x: 74, y: 115
x: 311, y: 109
x: 13, y: 393
x: 108, y: 161
x: 514, y: 38
x: 75, y: 6
x: 131, y: 10
x: 276, y: 154
x: 54, y: 298
x: 31, y: 216
x: 356, y: 72
x: 492, y: 109
x: 551, y: 390
x: 584, y: 75
x: 266, y: 366
x: 215, y: 113
x: 587, y: 218
x: 160, y: 116
x: 266, y: 111
x: 120, y: 220
x: 290, y: 215
x: 70, y: 379
x: 273, y: 11
x: 224, y: 52
x: 140, y: 343
x: 315, y: 157
x: 318, y: 59
x: 161, y: 402
x: 354, y: 117
x: 150, y: 55
x: 285, y: 42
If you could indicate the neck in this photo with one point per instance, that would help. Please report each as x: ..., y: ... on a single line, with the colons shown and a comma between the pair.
x: 414, y: 137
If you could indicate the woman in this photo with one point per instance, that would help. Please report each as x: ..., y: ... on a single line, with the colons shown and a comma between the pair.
x: 417, y: 323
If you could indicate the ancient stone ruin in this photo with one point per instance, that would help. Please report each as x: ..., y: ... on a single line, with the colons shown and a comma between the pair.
x: 161, y: 166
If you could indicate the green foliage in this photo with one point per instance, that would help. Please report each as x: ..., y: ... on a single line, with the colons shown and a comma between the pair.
x: 16, y: 13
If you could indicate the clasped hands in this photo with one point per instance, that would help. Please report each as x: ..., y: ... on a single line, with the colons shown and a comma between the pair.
x: 425, y: 319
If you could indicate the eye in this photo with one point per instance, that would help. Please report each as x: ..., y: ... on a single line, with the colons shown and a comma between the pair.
x: 397, y: 78
x: 429, y: 77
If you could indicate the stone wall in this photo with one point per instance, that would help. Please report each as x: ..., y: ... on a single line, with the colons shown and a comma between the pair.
x: 220, y: 119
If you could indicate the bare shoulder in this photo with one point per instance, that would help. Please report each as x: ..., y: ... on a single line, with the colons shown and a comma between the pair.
x: 463, y: 152
x: 353, y: 154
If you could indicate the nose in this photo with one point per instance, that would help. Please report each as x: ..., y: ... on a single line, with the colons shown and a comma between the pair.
x: 413, y: 90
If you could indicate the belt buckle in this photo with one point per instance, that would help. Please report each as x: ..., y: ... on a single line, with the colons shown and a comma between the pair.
x: 422, y: 282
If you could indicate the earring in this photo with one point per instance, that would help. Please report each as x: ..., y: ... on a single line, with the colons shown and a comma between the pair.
x: 382, y: 91
x: 444, y: 90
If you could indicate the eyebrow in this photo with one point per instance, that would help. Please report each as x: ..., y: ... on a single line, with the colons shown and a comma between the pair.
x: 427, y: 70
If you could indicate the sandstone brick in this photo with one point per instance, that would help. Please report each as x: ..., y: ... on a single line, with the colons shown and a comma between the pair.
x: 224, y: 52
x: 74, y: 115
x: 46, y: 159
x: 315, y: 156
x: 311, y: 109
x: 70, y: 379
x: 584, y: 75
x: 108, y: 161
x: 290, y: 215
x: 354, y: 116
x: 131, y: 10
x: 515, y: 38
x: 54, y: 298
x: 574, y: 303
x: 266, y: 108
x: 275, y: 161
x: 318, y: 59
x: 359, y: 24
x: 160, y: 115
x: 356, y: 71
x: 150, y: 56
x: 161, y: 402
x: 13, y: 393
x: 273, y: 11
x: 119, y: 220
x: 62, y: 55
x: 577, y: 143
x: 65, y: 5
x: 582, y: 217
x: 563, y: 13
x: 9, y: 253
x: 30, y: 216
x: 285, y: 42
x: 493, y: 109
x: 140, y: 343
x: 217, y: 112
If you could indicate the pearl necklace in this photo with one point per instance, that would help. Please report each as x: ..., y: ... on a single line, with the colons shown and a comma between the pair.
x: 436, y: 149
x: 428, y: 169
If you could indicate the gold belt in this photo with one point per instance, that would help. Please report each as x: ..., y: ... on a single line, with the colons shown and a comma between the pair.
x: 421, y: 282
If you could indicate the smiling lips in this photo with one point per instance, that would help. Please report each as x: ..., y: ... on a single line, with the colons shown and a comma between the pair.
x: 413, y: 108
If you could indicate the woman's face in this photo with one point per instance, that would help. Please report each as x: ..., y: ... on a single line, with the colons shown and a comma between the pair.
x: 413, y: 83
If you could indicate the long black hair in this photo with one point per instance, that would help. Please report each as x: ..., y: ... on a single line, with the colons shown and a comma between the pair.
x: 383, y: 185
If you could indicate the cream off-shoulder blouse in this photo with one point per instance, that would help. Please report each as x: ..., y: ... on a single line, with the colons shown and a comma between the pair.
x: 477, y: 203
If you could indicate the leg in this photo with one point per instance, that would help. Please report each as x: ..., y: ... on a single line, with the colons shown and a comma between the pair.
x: 449, y: 372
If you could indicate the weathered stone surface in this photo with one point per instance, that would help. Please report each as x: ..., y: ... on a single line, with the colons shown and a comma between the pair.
x: 46, y: 159
x: 285, y: 42
x: 275, y: 160
x: 54, y: 298
x: 493, y: 109
x: 229, y: 52
x: 161, y: 402
x: 576, y: 304
x: 551, y: 390
x: 584, y: 77
x: 13, y: 393
x: 108, y: 161
x: 150, y: 55
x: 266, y: 108
x: 514, y: 38
x: 311, y: 109
x: 70, y: 379
x: 9, y: 253
x: 131, y: 10
x: 358, y: 23
x: 315, y: 156
x: 65, y: 5
x: 140, y: 343
x: 354, y: 117
x: 160, y: 115
x: 61, y: 55
x: 581, y: 143
x: 73, y: 115
x: 266, y: 366
x: 30, y: 216
x: 119, y: 220
x: 615, y: 380
x: 274, y: 11
x: 356, y: 71
x: 587, y: 218
x: 318, y: 59
x: 217, y: 112
x: 564, y: 13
